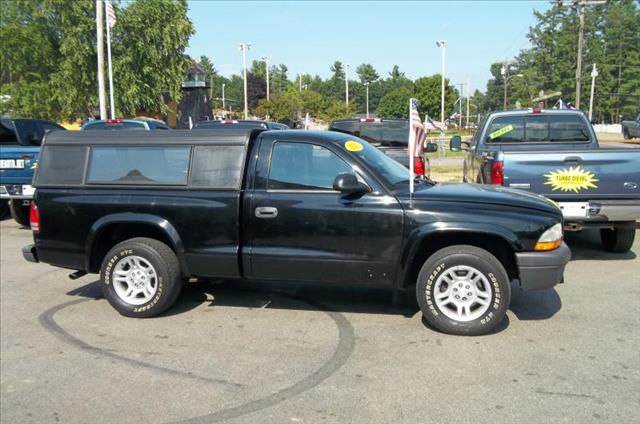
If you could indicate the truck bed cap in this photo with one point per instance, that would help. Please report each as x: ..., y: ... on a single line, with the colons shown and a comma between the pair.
x: 174, y: 137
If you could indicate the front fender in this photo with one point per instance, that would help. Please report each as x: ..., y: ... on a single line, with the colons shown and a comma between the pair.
x: 136, y: 218
x: 458, y: 230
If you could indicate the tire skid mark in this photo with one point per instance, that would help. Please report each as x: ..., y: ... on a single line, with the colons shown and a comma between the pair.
x: 346, y: 345
x: 344, y: 349
x: 46, y: 319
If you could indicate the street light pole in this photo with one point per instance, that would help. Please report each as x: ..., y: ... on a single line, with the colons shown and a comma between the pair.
x: 594, y: 74
x: 300, y: 74
x: 460, y: 105
x: 443, y: 47
x: 224, y: 105
x: 366, y: 84
x: 346, y: 82
x: 468, y: 101
x: 504, y: 71
x: 244, y: 47
x: 266, y: 64
x: 100, y: 48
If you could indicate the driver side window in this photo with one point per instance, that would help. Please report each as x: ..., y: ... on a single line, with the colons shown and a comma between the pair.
x: 303, y: 166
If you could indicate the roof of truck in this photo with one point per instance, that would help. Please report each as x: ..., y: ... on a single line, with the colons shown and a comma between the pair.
x: 127, y: 137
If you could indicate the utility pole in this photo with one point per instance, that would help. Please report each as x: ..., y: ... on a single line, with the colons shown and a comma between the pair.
x: 366, y: 84
x: 224, y: 105
x: 580, y: 4
x: 594, y: 74
x: 443, y: 47
x: 300, y: 74
x: 346, y: 82
x: 244, y: 47
x: 579, y: 61
x: 468, y: 101
x: 100, y: 39
x: 266, y: 64
x: 504, y: 71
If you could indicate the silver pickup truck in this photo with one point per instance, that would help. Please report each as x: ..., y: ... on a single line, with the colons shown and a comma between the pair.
x: 555, y: 153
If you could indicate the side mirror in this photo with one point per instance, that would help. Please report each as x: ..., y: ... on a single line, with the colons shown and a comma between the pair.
x: 431, y: 147
x: 349, y: 184
x: 456, y: 144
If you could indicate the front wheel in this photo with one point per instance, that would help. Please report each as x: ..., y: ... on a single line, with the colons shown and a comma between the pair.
x: 141, y: 277
x: 19, y: 212
x: 618, y: 239
x: 626, y: 135
x: 463, y: 290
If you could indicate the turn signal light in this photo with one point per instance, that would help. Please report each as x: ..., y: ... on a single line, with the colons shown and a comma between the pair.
x: 547, y: 245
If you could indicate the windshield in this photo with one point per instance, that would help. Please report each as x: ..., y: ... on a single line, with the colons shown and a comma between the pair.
x: 391, y: 170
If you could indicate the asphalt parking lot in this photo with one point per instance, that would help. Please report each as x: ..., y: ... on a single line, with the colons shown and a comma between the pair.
x: 282, y: 353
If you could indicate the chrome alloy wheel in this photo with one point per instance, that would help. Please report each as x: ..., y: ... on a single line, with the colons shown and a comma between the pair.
x: 462, y: 293
x: 135, y: 280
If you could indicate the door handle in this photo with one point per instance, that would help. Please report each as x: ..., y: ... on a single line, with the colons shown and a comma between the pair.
x: 573, y: 159
x: 266, y: 212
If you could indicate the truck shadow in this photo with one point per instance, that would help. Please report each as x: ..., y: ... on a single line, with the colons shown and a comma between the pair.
x: 585, y: 245
x: 345, y: 299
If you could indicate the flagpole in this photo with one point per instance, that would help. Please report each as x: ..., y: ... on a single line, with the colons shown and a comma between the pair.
x: 112, y: 107
x: 100, y: 51
x: 411, y: 151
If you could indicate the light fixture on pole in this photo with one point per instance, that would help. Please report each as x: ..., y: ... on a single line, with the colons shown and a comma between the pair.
x: 346, y: 84
x: 244, y: 47
x: 266, y: 64
x: 442, y: 44
x: 366, y: 85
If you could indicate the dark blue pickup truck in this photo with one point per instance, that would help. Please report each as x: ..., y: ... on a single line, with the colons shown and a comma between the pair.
x: 555, y: 153
x: 19, y: 147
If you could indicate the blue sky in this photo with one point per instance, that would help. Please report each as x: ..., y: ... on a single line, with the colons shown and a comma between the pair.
x: 308, y: 36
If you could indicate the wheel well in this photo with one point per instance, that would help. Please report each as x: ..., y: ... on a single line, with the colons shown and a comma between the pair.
x: 496, y: 245
x: 116, y: 233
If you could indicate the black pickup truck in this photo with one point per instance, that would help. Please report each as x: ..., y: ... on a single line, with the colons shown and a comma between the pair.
x: 149, y: 211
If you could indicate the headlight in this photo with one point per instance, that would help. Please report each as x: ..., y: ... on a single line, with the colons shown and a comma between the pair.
x: 550, y: 239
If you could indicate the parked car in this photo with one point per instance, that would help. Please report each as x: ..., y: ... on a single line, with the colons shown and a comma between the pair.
x: 631, y: 129
x: 391, y: 136
x: 151, y: 210
x: 19, y: 146
x: 555, y: 153
x: 240, y: 124
x: 146, y: 124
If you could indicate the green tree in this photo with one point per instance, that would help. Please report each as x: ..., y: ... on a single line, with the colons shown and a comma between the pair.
x: 149, y: 58
x: 367, y: 73
x: 428, y: 92
x: 395, y: 104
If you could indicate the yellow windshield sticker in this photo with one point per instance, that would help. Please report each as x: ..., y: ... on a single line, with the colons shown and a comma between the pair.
x: 572, y: 179
x: 501, y: 131
x: 353, y: 146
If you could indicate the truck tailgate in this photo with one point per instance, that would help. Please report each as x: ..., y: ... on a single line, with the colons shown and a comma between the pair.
x: 17, y: 163
x: 575, y: 175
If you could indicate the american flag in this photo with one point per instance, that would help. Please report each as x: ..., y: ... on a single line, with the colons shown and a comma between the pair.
x: 111, y: 14
x: 430, y: 124
x: 416, y: 130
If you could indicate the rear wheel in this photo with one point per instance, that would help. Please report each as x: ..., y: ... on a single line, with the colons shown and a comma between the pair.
x: 141, y: 277
x: 463, y: 290
x: 618, y: 239
x: 19, y: 212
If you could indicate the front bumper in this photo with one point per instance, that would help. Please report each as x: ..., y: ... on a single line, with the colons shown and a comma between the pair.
x: 542, y: 270
x: 29, y: 253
